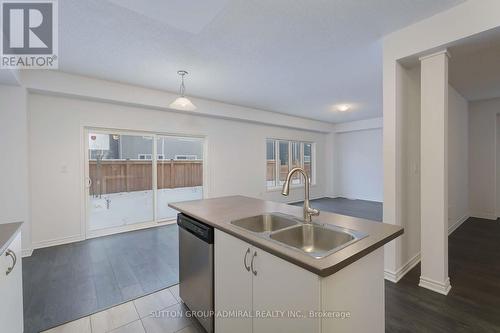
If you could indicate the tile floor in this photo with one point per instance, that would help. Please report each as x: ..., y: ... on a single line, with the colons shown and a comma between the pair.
x: 161, y: 311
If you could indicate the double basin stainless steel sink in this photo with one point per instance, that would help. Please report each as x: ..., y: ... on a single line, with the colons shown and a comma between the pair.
x: 314, y: 239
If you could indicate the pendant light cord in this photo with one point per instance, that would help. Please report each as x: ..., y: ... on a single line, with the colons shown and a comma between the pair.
x: 182, y: 88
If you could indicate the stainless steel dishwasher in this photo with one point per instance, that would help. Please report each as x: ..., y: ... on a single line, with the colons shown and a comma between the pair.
x: 196, y: 269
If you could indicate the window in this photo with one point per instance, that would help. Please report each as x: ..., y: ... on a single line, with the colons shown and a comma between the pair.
x: 145, y: 156
x: 282, y: 156
x: 186, y: 157
x: 296, y: 161
x: 271, y: 163
x: 308, y: 158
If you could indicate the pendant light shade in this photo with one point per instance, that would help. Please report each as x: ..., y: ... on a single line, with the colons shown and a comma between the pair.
x: 182, y: 102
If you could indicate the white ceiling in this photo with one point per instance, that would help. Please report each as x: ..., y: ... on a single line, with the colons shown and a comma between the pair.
x: 475, y: 66
x: 299, y: 57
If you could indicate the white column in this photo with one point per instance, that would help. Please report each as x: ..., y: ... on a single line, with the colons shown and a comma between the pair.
x: 434, y: 173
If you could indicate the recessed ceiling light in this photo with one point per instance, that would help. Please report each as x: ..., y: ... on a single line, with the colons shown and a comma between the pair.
x: 343, y: 107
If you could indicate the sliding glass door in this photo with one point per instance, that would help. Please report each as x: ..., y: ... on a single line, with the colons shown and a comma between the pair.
x: 129, y: 186
x: 179, y: 172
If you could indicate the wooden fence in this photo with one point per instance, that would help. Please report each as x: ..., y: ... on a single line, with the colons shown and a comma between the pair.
x: 271, y: 170
x: 114, y: 176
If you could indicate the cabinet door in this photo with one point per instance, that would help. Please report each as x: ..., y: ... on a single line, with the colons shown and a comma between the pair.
x: 233, y: 284
x: 11, y: 289
x: 285, y: 292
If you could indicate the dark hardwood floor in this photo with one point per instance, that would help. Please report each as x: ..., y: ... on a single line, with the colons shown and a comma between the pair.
x: 370, y: 210
x: 66, y: 282
x: 473, y: 304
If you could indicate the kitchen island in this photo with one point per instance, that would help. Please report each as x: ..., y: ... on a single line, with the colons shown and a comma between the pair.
x: 263, y: 284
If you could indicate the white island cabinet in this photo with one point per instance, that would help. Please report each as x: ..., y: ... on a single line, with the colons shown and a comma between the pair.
x: 11, y: 288
x: 256, y: 291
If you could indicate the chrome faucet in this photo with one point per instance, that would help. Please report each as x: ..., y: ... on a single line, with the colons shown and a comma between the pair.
x: 308, y: 211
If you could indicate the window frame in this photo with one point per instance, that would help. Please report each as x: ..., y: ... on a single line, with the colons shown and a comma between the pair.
x: 276, y: 181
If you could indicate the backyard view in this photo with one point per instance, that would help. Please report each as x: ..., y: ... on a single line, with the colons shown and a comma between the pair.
x: 123, y: 189
x: 289, y: 154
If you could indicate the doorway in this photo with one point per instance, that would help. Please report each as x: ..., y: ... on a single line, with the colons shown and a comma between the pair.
x: 128, y: 187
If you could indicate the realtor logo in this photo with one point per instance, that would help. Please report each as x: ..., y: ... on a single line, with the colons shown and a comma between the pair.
x: 29, y: 34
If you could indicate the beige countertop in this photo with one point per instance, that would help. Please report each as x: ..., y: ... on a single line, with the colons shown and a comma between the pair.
x: 219, y: 212
x: 7, y: 233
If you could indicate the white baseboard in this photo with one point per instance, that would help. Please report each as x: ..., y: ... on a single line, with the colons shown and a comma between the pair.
x: 398, y: 275
x: 436, y: 286
x: 457, y: 224
x: 130, y: 227
x: 480, y: 215
x: 78, y: 238
x: 390, y: 276
x: 58, y: 241
x: 350, y: 197
x: 26, y: 253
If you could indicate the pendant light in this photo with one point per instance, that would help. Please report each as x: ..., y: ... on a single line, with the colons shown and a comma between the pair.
x: 182, y: 102
x: 343, y: 107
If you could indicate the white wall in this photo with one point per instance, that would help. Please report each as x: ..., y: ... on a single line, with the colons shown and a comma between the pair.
x: 428, y: 35
x: 403, y: 253
x: 458, y: 158
x: 482, y: 157
x: 358, y: 164
x: 14, y: 196
x: 236, y: 156
x: 409, y: 243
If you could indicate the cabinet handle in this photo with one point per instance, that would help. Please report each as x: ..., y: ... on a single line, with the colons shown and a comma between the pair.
x: 245, y: 260
x: 14, y: 260
x: 251, y: 263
